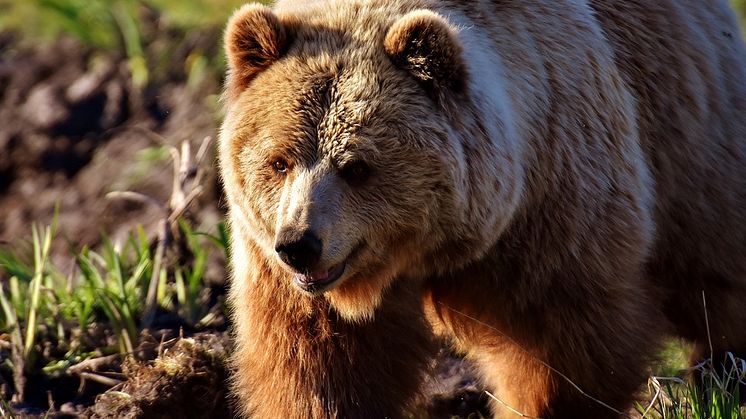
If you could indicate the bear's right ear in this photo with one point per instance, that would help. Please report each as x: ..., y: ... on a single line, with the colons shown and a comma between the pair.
x: 427, y: 46
x: 254, y: 39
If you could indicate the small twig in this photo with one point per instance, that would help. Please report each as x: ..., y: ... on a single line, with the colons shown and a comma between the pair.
x: 740, y: 371
x: 107, y: 381
x: 182, y: 196
x: 202, y: 151
x: 177, y: 193
x: 201, y: 155
x: 177, y: 212
x: 510, y: 408
x: 151, y: 300
x: 91, y: 364
x: 50, y: 401
x: 160, y: 346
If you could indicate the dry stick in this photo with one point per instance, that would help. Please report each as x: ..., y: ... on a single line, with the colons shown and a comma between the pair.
x: 199, y: 158
x: 50, y: 401
x: 183, y: 170
x: 740, y: 372
x: 151, y: 300
x: 91, y: 364
x: 16, y: 354
x: 178, y: 211
x: 177, y: 192
x: 179, y: 202
x: 107, y: 381
x: 551, y: 368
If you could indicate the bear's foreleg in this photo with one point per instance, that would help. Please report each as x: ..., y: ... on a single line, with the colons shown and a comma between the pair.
x: 296, y: 358
x: 575, y: 352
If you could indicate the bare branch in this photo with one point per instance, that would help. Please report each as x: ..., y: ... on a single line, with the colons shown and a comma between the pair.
x: 92, y: 364
x: 107, y: 381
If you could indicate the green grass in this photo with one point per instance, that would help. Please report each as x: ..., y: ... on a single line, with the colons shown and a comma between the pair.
x: 674, y: 393
x: 43, y: 308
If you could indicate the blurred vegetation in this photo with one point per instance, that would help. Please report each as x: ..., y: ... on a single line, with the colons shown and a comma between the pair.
x: 740, y: 6
x: 102, y: 23
x: 148, y: 33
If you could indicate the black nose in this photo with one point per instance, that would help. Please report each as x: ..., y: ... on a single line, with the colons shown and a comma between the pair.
x: 301, y: 253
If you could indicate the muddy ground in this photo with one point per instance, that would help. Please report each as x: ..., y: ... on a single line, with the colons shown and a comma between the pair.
x: 72, y: 129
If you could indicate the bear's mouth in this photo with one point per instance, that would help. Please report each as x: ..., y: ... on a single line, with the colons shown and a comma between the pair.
x: 316, y: 282
x: 323, y: 280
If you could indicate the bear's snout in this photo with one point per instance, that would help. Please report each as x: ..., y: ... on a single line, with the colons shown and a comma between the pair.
x: 300, y: 250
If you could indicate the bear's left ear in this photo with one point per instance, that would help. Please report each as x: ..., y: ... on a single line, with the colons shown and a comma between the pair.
x: 426, y: 45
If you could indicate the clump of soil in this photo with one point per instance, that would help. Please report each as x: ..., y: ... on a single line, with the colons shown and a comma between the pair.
x: 188, y: 380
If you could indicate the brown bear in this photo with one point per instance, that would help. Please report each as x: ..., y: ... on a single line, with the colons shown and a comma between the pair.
x: 552, y: 186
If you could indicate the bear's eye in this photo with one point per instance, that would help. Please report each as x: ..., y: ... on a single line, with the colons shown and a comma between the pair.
x: 280, y: 166
x: 356, y: 172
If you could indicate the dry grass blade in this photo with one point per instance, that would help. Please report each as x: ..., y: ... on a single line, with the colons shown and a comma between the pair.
x: 492, y: 396
x: 707, y: 323
x: 655, y: 384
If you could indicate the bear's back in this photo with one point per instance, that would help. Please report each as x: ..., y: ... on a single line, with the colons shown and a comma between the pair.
x: 685, y: 62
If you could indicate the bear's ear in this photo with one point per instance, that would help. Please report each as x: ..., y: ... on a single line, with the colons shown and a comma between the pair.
x: 426, y: 45
x: 254, y: 39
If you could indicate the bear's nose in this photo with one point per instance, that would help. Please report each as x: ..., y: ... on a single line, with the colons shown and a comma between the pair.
x: 301, y: 253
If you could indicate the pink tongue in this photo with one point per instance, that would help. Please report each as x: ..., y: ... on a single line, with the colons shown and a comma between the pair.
x: 321, y: 275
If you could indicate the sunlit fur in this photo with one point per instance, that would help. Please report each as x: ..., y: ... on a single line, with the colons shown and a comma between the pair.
x: 552, y: 183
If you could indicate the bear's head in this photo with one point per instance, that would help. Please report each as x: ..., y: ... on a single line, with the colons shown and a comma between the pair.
x: 340, y: 160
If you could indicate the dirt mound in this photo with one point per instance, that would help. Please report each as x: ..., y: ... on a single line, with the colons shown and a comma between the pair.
x: 188, y: 380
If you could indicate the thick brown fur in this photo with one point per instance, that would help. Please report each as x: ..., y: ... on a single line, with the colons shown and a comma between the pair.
x: 550, y: 185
